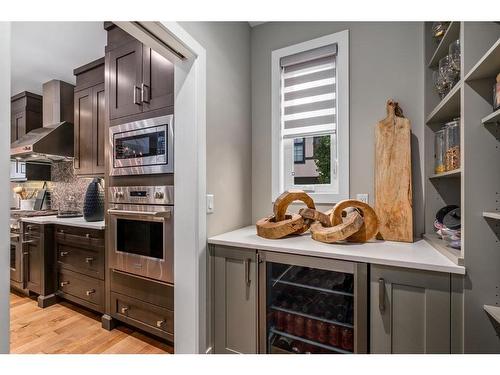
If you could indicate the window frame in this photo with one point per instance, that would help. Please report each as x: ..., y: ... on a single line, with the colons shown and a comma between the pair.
x: 342, y: 132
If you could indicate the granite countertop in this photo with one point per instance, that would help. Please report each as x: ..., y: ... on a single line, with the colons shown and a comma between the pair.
x: 74, y: 221
x: 417, y: 255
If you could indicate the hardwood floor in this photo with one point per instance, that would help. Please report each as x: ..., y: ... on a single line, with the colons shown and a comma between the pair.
x: 66, y: 328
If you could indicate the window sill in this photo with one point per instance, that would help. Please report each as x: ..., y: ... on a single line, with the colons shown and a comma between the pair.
x: 322, y: 198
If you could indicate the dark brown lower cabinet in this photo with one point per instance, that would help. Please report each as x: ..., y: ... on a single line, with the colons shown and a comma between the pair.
x: 142, y: 303
x: 80, y: 266
x: 38, y: 261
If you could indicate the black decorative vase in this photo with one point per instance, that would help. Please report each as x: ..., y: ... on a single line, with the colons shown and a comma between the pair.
x: 93, y: 206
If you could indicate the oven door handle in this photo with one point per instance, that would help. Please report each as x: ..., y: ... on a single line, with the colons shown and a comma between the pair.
x: 161, y: 214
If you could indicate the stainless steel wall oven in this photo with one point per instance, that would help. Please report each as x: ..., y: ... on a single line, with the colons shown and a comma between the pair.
x: 142, y: 227
x: 142, y: 147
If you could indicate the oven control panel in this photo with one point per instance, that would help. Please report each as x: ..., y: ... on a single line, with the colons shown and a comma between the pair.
x: 151, y: 195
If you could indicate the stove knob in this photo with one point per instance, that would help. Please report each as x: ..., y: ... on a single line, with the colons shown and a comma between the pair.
x: 159, y: 195
x: 119, y: 195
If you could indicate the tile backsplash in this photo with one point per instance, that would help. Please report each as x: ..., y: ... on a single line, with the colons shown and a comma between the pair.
x: 66, y: 186
x: 63, y: 187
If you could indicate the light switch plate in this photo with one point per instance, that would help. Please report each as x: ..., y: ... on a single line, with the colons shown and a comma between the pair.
x: 362, y: 198
x: 210, y: 204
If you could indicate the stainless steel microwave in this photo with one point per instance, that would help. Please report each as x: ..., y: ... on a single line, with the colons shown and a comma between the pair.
x: 142, y: 147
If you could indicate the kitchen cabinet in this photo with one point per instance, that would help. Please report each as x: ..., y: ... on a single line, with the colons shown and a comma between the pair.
x: 410, y: 311
x: 235, y: 306
x: 38, y: 261
x: 26, y: 114
x: 80, y: 265
x: 89, y: 126
x: 142, y: 303
x: 140, y: 80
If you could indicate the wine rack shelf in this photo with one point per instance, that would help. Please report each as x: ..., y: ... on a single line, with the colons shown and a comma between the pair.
x: 310, y: 287
x: 314, y: 343
x: 330, y: 321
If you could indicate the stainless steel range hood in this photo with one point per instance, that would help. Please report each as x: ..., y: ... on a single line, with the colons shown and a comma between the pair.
x: 54, y: 141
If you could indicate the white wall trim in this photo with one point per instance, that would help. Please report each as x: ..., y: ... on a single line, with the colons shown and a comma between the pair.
x: 190, y: 246
x: 342, y: 66
x: 4, y: 182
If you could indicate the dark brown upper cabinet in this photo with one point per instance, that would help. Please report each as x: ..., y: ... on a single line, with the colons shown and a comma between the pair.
x: 26, y: 114
x: 89, y: 120
x: 140, y: 80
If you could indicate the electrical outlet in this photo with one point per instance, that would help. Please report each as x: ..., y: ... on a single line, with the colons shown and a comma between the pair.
x: 362, y: 198
x: 210, y: 204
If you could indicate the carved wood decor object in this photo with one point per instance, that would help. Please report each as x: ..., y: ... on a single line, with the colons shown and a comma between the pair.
x: 393, y: 185
x: 353, y: 223
x: 369, y: 228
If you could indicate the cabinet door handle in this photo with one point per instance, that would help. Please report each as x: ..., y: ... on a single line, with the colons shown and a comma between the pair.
x: 135, y: 95
x: 89, y: 292
x: 144, y: 98
x: 381, y: 295
x: 64, y: 283
x: 247, y: 271
x: 124, y: 309
x: 160, y: 323
x: 64, y: 253
x: 89, y: 260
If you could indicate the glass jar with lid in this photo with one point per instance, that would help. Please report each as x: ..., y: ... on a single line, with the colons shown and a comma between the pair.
x: 439, y: 151
x: 452, y: 145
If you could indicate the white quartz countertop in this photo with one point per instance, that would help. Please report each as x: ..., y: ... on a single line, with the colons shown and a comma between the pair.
x: 418, y: 255
x: 73, y: 221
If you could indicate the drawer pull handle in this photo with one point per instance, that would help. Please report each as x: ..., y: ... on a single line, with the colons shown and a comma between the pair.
x: 61, y: 231
x: 87, y: 235
x: 89, y: 292
x: 89, y: 260
x: 160, y: 323
x: 64, y: 283
x: 64, y: 253
x: 124, y: 309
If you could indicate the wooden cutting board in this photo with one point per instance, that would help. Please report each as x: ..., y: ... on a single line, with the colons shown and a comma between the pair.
x: 393, y: 187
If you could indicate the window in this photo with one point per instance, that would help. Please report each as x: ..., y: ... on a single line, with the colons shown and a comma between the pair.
x: 299, y: 156
x: 310, y: 103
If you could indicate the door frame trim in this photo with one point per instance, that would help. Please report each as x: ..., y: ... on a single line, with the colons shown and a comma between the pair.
x: 190, y: 252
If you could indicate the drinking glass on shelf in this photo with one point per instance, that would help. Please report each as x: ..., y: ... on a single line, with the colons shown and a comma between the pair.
x: 454, y: 52
x: 440, y: 84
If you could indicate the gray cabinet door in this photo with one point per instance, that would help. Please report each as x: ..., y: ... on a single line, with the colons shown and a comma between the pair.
x: 235, y: 300
x: 410, y: 311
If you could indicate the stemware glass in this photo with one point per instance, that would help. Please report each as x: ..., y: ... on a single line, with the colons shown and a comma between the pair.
x: 454, y: 52
x: 449, y: 74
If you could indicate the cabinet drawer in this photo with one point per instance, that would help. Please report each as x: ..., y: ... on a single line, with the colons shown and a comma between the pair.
x: 89, y: 261
x: 149, y: 291
x: 151, y: 318
x: 32, y: 230
x: 81, y: 237
x: 85, y: 290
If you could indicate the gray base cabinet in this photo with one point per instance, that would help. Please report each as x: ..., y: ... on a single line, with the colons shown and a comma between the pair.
x: 410, y: 311
x: 235, y: 307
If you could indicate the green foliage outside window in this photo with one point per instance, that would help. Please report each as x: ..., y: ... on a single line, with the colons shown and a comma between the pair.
x: 322, y: 159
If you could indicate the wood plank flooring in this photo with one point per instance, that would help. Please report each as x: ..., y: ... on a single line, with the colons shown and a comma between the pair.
x: 66, y: 328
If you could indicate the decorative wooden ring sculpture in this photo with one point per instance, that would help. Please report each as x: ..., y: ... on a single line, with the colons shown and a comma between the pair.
x: 268, y: 227
x: 369, y: 228
x: 283, y: 201
x: 314, y: 215
x: 349, y: 227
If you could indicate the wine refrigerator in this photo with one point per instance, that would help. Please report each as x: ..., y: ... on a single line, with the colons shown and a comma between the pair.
x: 311, y: 305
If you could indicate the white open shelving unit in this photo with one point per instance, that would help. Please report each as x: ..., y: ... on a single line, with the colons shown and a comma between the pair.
x: 475, y: 187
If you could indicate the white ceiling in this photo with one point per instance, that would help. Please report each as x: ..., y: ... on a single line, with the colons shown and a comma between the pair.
x: 42, y: 51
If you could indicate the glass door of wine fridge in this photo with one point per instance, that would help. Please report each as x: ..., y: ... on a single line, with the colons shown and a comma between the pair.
x: 312, y: 305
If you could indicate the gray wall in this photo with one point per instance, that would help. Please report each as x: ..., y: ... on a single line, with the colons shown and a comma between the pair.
x: 385, y: 61
x: 4, y: 184
x: 229, y: 129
